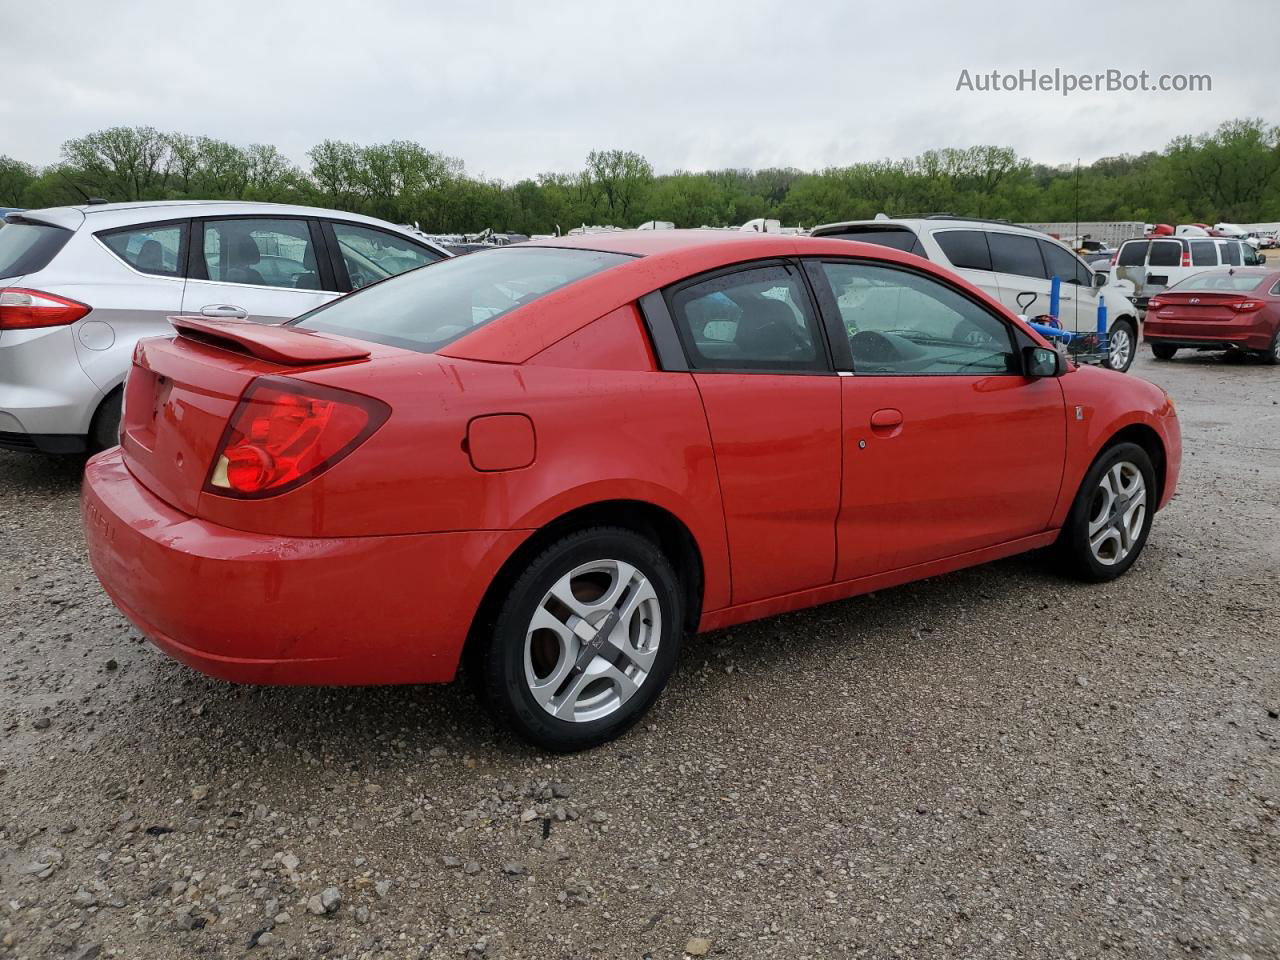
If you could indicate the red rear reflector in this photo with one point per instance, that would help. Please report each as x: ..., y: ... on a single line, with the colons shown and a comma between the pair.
x: 285, y: 432
x: 22, y: 309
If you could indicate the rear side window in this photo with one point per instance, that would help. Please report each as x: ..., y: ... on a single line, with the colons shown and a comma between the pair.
x: 425, y: 309
x: 896, y: 238
x: 754, y: 319
x: 159, y: 249
x: 1202, y: 254
x: 1132, y: 254
x: 1165, y: 253
x: 966, y: 249
x: 1230, y: 252
x: 264, y: 253
x: 29, y: 247
x: 1013, y: 253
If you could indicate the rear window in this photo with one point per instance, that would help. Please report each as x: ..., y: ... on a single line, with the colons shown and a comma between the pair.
x: 896, y: 238
x: 1165, y: 253
x: 1222, y: 282
x: 1132, y: 254
x: 29, y: 247
x: 966, y: 249
x: 427, y: 308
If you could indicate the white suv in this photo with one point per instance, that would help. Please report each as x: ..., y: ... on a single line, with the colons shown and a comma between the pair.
x: 1009, y: 262
x: 79, y: 286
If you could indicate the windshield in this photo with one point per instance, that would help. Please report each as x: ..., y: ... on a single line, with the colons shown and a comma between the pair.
x: 28, y: 247
x: 1221, y: 282
x: 427, y: 308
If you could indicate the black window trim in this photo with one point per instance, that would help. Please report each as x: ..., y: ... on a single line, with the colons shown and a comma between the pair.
x: 834, y: 323
x: 663, y: 327
x: 197, y: 269
x: 339, y: 266
x: 184, y: 244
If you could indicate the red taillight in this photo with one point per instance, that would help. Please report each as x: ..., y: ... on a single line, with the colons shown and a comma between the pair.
x: 284, y: 432
x: 1155, y: 303
x: 1246, y: 306
x: 22, y: 309
x: 1186, y: 258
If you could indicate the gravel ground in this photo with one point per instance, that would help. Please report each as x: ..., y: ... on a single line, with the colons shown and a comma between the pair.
x: 994, y: 763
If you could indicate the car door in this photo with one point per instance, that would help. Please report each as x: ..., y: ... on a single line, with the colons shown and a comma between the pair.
x: 948, y: 447
x: 1020, y: 273
x: 362, y: 255
x: 753, y: 342
x: 265, y: 269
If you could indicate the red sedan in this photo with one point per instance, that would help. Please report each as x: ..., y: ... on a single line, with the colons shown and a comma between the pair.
x: 1229, y: 309
x: 557, y: 459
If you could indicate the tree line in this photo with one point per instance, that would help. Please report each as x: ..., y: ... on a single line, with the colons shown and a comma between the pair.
x: 1231, y: 173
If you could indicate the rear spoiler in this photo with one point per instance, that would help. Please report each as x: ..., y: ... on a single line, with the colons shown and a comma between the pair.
x: 284, y: 345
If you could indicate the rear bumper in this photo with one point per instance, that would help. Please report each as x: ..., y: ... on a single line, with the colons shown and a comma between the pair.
x: 1244, y: 334
x: 43, y: 389
x: 281, y: 610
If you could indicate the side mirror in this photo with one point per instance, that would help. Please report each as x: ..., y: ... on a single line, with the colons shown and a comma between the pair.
x: 1100, y: 279
x: 1042, y: 362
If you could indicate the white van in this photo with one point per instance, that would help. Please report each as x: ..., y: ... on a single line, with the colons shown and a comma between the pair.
x: 1153, y: 264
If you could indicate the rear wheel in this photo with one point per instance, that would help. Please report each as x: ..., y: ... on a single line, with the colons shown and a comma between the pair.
x: 585, y: 640
x: 1111, y: 516
x: 1163, y: 351
x: 1123, y: 341
x: 1273, y: 355
x: 105, y: 430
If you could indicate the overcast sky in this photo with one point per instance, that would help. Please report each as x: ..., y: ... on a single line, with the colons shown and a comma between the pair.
x: 519, y: 88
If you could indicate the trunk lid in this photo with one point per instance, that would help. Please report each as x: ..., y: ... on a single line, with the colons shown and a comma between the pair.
x: 1199, y: 306
x: 182, y: 391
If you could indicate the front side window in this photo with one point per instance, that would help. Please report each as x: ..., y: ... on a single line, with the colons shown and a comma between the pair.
x: 1016, y: 254
x: 371, y: 255
x: 155, y: 249
x: 262, y: 252
x: 758, y: 318
x: 966, y: 249
x: 901, y: 323
x: 1230, y: 250
x: 1165, y: 253
x: 1060, y: 262
x: 425, y: 309
x: 1202, y: 254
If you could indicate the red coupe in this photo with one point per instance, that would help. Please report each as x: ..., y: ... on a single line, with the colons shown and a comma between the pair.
x: 1228, y: 309
x: 554, y: 460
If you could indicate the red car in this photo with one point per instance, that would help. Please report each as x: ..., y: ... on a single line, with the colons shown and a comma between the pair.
x: 554, y: 460
x: 1229, y: 309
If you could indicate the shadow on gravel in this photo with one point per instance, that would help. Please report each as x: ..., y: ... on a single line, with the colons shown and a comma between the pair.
x: 37, y: 473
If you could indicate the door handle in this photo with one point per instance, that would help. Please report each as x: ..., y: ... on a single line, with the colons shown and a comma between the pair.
x: 224, y: 310
x: 887, y: 419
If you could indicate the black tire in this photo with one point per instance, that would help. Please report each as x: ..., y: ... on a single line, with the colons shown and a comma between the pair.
x: 1163, y: 351
x: 1074, y: 548
x: 499, y: 657
x: 1126, y: 328
x: 105, y: 429
x: 1272, y: 356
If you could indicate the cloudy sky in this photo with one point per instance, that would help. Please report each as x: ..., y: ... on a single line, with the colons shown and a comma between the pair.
x: 517, y: 88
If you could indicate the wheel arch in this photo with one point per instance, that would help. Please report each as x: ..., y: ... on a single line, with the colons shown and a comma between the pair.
x: 1149, y: 440
x: 656, y: 523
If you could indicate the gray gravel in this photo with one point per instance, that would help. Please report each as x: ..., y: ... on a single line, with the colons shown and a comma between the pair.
x: 991, y: 764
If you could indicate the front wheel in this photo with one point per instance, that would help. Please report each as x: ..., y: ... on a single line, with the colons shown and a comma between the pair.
x: 585, y: 640
x: 1163, y: 351
x: 1111, y: 516
x: 1122, y: 341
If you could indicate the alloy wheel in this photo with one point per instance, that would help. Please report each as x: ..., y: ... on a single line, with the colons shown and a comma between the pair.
x: 592, y: 641
x: 1121, y: 348
x: 1117, y: 513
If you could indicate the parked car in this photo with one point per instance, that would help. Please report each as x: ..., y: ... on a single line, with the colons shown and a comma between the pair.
x: 80, y: 285
x: 1233, y: 309
x: 1153, y: 264
x: 557, y: 458
x: 1008, y: 262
